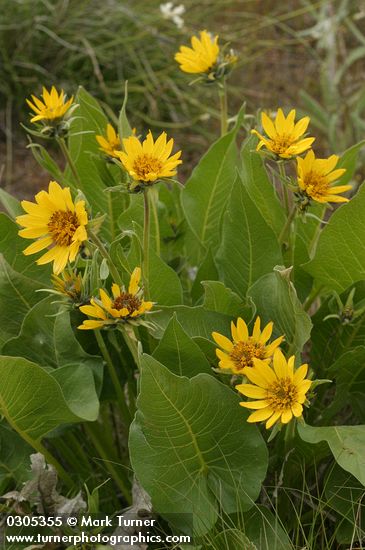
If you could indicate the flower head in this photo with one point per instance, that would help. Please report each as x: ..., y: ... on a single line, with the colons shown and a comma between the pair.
x: 284, y: 136
x: 201, y: 57
x: 110, y: 145
x: 316, y: 177
x: 240, y: 353
x: 57, y: 223
x: 280, y: 391
x: 68, y: 284
x: 125, y: 305
x: 53, y: 107
x: 149, y: 161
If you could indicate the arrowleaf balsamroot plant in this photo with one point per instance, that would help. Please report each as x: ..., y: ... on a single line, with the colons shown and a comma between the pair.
x: 243, y: 256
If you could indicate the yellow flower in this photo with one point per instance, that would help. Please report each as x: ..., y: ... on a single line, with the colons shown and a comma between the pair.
x: 149, y: 161
x: 111, y: 144
x: 52, y: 107
x: 125, y: 305
x: 243, y: 349
x: 284, y: 136
x: 57, y: 223
x: 201, y: 57
x: 315, y: 177
x: 69, y: 285
x: 280, y: 390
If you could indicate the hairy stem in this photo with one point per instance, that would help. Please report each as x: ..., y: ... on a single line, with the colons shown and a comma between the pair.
x: 105, y: 254
x: 223, y: 107
x: 146, y: 241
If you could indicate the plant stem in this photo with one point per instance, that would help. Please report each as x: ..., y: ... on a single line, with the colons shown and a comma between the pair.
x: 154, y: 200
x: 283, y: 185
x: 287, y: 225
x: 103, y: 251
x: 311, y: 298
x: 69, y: 160
x: 146, y: 241
x: 224, y: 107
x: 114, y: 376
x: 289, y: 434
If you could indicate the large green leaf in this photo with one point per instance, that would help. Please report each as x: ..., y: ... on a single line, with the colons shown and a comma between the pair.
x: 276, y: 300
x: 78, y: 387
x: 261, y: 190
x: 10, y: 203
x: 192, y: 449
x: 164, y: 283
x: 179, y: 352
x: 46, y: 337
x: 339, y: 260
x: 17, y: 296
x: 348, y: 160
x: 207, y: 190
x: 196, y: 321
x: 249, y: 247
x: 14, y: 457
x: 12, y: 246
x: 218, y: 297
x: 347, y: 444
x: 84, y: 150
x: 31, y: 400
x: 207, y: 271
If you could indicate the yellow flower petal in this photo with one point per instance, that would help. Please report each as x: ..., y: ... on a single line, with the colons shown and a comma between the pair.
x: 222, y: 341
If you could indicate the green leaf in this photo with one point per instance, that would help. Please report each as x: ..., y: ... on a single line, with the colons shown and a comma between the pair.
x: 12, y: 246
x: 207, y: 271
x: 43, y: 338
x: 45, y: 160
x: 78, y: 388
x: 84, y: 151
x: 347, y: 444
x: 249, y: 248
x: 219, y: 298
x: 339, y: 260
x: 124, y: 128
x: 348, y: 160
x: 179, y: 352
x: 164, y: 283
x: 192, y: 449
x: 261, y: 190
x: 11, y: 204
x: 206, y: 192
x: 196, y: 321
x: 276, y: 300
x: 14, y: 458
x: 31, y: 400
x: 17, y: 296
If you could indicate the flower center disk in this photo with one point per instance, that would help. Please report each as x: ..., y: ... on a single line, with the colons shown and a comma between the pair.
x: 126, y: 300
x: 62, y: 227
x: 243, y: 353
x: 145, y: 165
x: 282, y: 395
